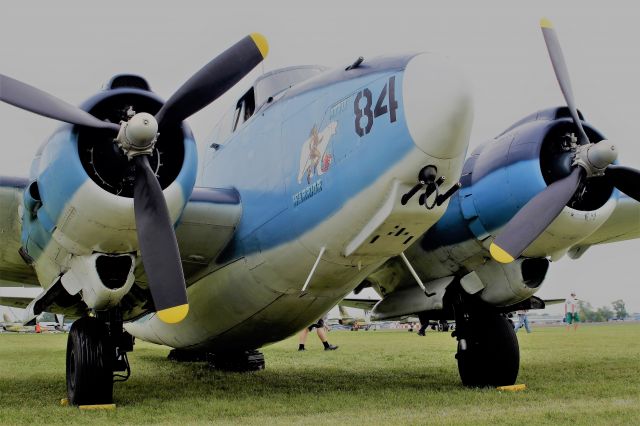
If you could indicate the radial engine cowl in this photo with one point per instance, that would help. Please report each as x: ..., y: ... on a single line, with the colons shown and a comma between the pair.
x: 502, y: 175
x: 85, y: 180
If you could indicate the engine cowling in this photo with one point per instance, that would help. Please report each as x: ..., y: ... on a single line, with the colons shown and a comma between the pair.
x: 502, y: 175
x: 503, y: 285
x: 80, y: 200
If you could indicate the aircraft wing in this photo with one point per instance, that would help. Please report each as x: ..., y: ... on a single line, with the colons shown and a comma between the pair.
x: 14, y: 302
x: 14, y: 272
x: 364, y: 304
x: 206, y: 226
x: 18, y: 297
x: 548, y: 302
x: 624, y: 224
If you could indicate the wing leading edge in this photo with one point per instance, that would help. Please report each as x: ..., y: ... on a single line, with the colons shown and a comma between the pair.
x: 14, y: 271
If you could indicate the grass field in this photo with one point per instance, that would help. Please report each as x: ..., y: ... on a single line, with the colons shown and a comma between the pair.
x: 376, y: 377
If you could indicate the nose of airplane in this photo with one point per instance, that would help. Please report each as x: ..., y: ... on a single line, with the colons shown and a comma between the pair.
x: 438, y: 106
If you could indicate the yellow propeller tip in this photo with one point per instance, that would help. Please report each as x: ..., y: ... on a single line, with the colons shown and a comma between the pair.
x: 499, y: 254
x: 545, y: 23
x: 174, y: 314
x: 261, y: 43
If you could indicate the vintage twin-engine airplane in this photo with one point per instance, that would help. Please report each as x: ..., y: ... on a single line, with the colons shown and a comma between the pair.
x: 309, y: 190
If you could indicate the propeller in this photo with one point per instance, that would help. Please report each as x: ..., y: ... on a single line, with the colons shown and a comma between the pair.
x: 29, y: 98
x: 589, y: 160
x: 562, y: 74
x: 625, y: 179
x: 547, y: 205
x: 214, y: 79
x: 158, y: 245
x: 137, y: 138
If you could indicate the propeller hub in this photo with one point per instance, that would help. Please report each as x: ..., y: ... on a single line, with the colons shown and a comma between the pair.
x: 596, y: 157
x: 602, y: 154
x: 138, y: 135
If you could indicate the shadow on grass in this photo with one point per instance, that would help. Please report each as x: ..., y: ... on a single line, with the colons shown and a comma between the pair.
x: 156, y: 379
x: 196, y: 379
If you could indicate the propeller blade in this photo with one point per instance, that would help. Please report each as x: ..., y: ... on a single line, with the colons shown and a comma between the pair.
x: 29, y: 98
x: 214, y: 79
x: 625, y: 179
x: 562, y: 74
x: 158, y: 245
x: 534, y: 218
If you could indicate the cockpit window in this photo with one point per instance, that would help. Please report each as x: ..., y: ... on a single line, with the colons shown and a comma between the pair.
x: 245, y: 108
x: 266, y: 86
x: 274, y: 82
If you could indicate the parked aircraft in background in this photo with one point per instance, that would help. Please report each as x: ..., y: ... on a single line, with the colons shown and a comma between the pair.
x: 354, y: 323
x: 367, y: 305
x: 546, y: 319
x: 13, y: 325
x: 43, y: 322
x: 316, y: 182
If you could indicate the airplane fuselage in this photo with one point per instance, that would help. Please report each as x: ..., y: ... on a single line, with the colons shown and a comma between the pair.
x: 320, y: 172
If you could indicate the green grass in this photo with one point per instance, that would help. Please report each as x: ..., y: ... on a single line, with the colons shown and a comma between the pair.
x: 382, y: 377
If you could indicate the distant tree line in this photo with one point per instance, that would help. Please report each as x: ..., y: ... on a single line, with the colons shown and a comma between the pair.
x: 604, y: 313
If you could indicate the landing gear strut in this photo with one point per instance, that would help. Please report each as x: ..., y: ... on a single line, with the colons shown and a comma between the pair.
x: 488, y: 352
x: 96, y: 347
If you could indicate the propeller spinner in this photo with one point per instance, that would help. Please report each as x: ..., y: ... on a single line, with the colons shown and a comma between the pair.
x: 589, y: 160
x: 137, y: 137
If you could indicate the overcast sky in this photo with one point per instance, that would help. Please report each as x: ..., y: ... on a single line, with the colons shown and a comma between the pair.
x: 70, y: 48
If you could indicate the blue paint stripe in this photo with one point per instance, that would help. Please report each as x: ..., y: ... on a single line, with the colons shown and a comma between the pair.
x: 215, y: 195
x: 14, y: 182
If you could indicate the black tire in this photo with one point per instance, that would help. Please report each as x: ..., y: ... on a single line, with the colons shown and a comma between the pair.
x: 492, y: 354
x: 89, y: 372
x: 239, y: 362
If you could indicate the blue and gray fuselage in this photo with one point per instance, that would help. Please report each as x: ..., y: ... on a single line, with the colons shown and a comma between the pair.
x: 317, y: 172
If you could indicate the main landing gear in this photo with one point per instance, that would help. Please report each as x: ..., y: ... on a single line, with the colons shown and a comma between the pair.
x: 96, y: 348
x: 488, y: 352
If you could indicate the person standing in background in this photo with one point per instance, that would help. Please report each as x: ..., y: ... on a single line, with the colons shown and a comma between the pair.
x: 523, y: 319
x: 571, y: 312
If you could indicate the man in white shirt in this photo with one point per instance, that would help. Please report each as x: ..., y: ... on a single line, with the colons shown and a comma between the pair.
x: 571, y: 311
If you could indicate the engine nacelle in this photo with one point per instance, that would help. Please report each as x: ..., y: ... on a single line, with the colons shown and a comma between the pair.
x: 101, y: 279
x: 506, y: 284
x: 80, y: 202
x: 502, y: 175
